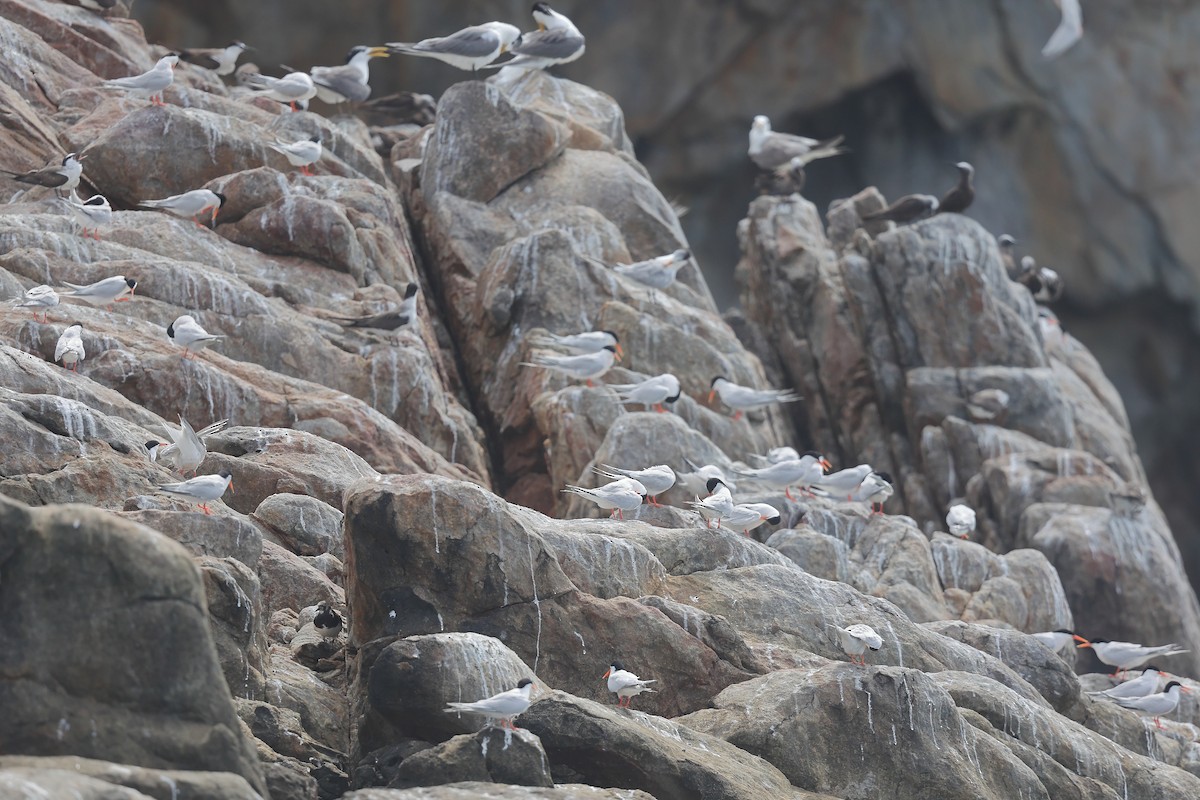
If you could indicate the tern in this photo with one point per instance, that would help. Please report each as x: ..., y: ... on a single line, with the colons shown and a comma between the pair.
x: 1158, y: 704
x: 405, y: 313
x: 556, y: 41
x: 875, y: 489
x: 1042, y: 282
x: 801, y: 472
x: 746, y: 517
x: 581, y: 367
x: 62, y: 176
x: 960, y: 520
x: 190, y: 204
x: 657, y: 273
x: 743, y: 398
x: 327, y: 621
x: 107, y: 291
x: 624, y: 684
x: 655, y: 480
x: 696, y: 481
x: 844, y: 482
x: 504, y: 706
x: 1142, y: 685
x: 187, y: 448
x: 205, y: 488
x: 69, y: 349
x: 221, y: 60
x: 293, y: 88
x: 771, y: 150
x: 188, y: 334
x: 651, y: 393
x: 578, y: 343
x: 150, y: 84
x: 718, y: 504
x: 856, y: 639
x: 469, y: 49
x: 90, y: 213
x: 350, y: 81
x: 302, y: 154
x: 1125, y: 656
x: 624, y: 494
x: 42, y: 297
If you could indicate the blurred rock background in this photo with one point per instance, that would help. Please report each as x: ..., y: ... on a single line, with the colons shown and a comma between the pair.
x: 1090, y: 160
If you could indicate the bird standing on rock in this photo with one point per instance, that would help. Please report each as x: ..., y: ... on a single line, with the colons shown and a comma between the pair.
x: 42, y: 297
x: 469, y: 49
x: 302, y: 154
x: 190, y: 204
x: 62, y: 176
x: 69, y: 349
x: 655, y: 480
x: 106, y: 291
x: 92, y: 213
x: 149, y: 84
x: 651, y: 393
x: 856, y: 639
x: 504, y: 706
x: 959, y: 199
x: 204, y: 488
x: 617, y: 497
x: 581, y: 367
x: 188, y: 334
x: 350, y: 81
x: 771, y: 150
x: 556, y: 41
x: 960, y: 519
x: 327, y: 621
x: 624, y: 684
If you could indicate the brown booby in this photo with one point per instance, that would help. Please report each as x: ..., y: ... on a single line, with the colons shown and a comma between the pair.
x: 770, y: 150
x: 959, y: 199
x: 1042, y: 282
x: 1007, y: 245
x: 782, y: 181
x: 910, y: 208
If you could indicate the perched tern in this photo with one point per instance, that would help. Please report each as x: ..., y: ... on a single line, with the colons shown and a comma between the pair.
x: 398, y: 317
x: 205, y: 488
x: 624, y: 684
x: 746, y: 517
x: 221, y: 60
x: 300, y: 154
x: 743, y: 398
x: 556, y: 41
x: 190, y: 204
x: 62, y: 176
x: 293, y: 88
x: 1142, y: 685
x: 150, y: 84
x: 350, y: 81
x: 875, y: 489
x: 959, y: 199
x: 504, y: 706
x: 1157, y: 704
x: 42, y: 297
x: 856, y: 639
x: 581, y: 367
x: 92, y: 213
x: 1125, y: 656
x: 782, y: 181
x: 987, y: 405
x: 1069, y: 30
x: 844, y: 482
x: 718, y: 504
x: 188, y: 334
x: 469, y: 49
x: 801, y: 472
x: 910, y: 208
x: 186, y: 449
x: 1042, y: 282
x: 771, y: 150
x: 69, y: 349
x: 624, y: 494
x: 1056, y: 640
x: 328, y: 621
x: 960, y: 520
x: 655, y: 480
x: 651, y: 393
x: 696, y: 482
x: 578, y: 343
x: 657, y: 273
x: 107, y: 291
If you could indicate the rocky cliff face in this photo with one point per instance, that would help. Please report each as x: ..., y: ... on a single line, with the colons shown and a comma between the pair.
x: 411, y: 478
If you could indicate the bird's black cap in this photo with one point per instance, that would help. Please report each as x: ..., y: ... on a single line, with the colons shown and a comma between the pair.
x: 541, y: 8
x: 220, y: 197
x: 171, y: 331
x: 410, y: 290
x: 1172, y: 684
x: 612, y: 334
x: 225, y: 473
x: 812, y: 453
x: 775, y: 520
x: 617, y: 665
x: 610, y: 348
x: 521, y: 684
x: 676, y: 397
x: 150, y: 445
x: 718, y: 378
x: 713, y: 483
x: 1064, y: 630
x: 316, y: 138
x: 885, y: 476
x: 131, y: 283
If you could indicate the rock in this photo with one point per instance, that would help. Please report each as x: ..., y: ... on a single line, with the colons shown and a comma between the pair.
x: 305, y: 525
x: 471, y: 790
x: 218, y: 536
x: 511, y: 757
x: 322, y: 708
x: 291, y: 582
x: 52, y: 773
x: 157, y: 700
x: 816, y: 553
x: 235, y: 607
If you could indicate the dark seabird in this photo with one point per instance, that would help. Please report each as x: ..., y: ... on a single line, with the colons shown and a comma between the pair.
x: 1007, y: 245
x: 63, y: 176
x: 910, y: 208
x: 782, y: 181
x: 959, y: 199
x: 1042, y: 282
x: 328, y: 622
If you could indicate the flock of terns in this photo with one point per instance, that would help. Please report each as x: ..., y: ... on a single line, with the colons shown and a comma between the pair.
x: 582, y: 356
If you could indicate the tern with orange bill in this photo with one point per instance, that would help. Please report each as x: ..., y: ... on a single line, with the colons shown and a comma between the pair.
x: 204, y: 488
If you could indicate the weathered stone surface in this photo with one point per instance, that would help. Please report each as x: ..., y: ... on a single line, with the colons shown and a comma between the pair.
x: 492, y: 754
x: 19, y: 774
x: 305, y: 525
x: 473, y: 790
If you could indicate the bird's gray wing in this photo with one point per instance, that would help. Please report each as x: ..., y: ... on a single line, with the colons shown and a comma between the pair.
x: 344, y: 81
x: 474, y: 42
x: 547, y: 44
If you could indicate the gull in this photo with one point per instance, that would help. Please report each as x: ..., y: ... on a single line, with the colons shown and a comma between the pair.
x: 771, y: 150
x: 657, y: 273
x: 42, y: 297
x: 205, y: 488
x: 651, y: 393
x: 327, y: 621
x: 581, y: 367
x: 624, y: 684
x: 959, y: 199
x: 149, y: 84
x: 300, y: 154
x: 188, y: 334
x: 589, y: 342
x: 349, y: 81
x: 91, y: 213
x: 556, y: 41
x: 856, y: 639
x: 746, y: 517
x: 960, y: 519
x: 468, y: 49
x: 875, y: 489
x: 189, y: 204
x: 910, y: 208
x: 802, y: 472
x: 844, y: 482
x: 61, y: 176
x: 743, y: 398
x: 655, y: 480
x: 187, y: 448
x: 1125, y: 656
x: 295, y: 87
x: 69, y: 349
x: 696, y: 481
x: 1069, y: 30
x: 1158, y: 704
x: 504, y: 706
x: 221, y: 60
x: 624, y: 494
x: 718, y: 504
x: 116, y: 289
x: 1144, y: 684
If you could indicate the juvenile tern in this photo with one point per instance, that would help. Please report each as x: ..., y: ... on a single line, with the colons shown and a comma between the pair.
x: 188, y: 334
x: 745, y: 517
x: 504, y: 706
x: 1157, y: 704
x: 581, y: 367
x: 149, y: 84
x: 771, y: 150
x: 624, y: 494
x: 556, y: 41
x: 844, y: 483
x: 875, y: 489
x: 589, y: 342
x: 910, y: 208
x: 801, y: 472
x: 190, y: 204
x: 42, y: 297
x: 657, y: 273
x: 1069, y: 30
x: 743, y: 398
x: 91, y: 213
x: 62, y: 176
x: 655, y: 480
x: 69, y: 349
x: 1125, y: 656
x: 107, y: 291
x: 221, y: 60
x: 718, y: 504
x: 856, y: 639
x: 960, y: 520
x: 350, y: 81
x: 1142, y: 685
x: 300, y: 154
x: 959, y: 199
x: 205, y: 488
x: 293, y: 88
x: 468, y: 49
x: 624, y: 684
x: 651, y: 393
x: 327, y: 621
